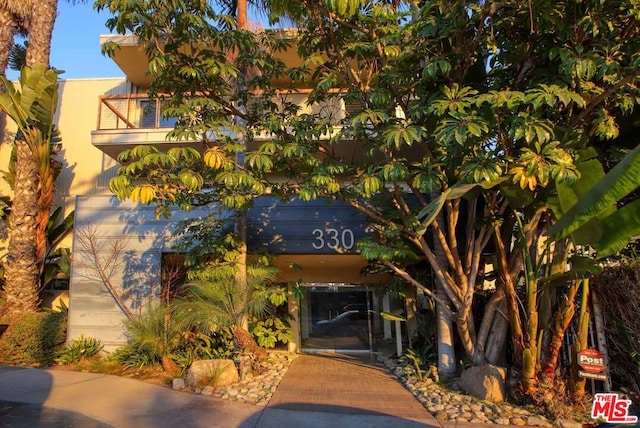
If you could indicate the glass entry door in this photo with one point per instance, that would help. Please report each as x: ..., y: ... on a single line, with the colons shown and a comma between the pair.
x: 336, y: 316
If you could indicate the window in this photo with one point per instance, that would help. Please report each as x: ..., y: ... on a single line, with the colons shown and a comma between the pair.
x: 173, y: 276
x: 151, y: 118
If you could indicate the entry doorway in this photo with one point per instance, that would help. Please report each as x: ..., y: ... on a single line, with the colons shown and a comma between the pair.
x: 343, y: 317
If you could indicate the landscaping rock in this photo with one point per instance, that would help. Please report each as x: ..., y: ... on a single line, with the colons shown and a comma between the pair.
x: 565, y: 423
x: 212, y: 372
x: 485, y: 382
x: 178, y: 384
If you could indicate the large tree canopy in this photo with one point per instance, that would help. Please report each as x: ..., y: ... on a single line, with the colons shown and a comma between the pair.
x: 478, y: 111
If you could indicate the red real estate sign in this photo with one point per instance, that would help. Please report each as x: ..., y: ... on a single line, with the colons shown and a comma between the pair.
x: 591, y: 360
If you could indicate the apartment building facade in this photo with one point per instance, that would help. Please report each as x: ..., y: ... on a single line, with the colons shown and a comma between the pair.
x: 314, y: 243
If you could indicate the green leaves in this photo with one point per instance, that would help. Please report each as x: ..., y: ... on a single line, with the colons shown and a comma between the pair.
x: 401, y: 135
x: 553, y: 96
x: 436, y: 68
x: 532, y: 129
x: 259, y: 161
x: 370, y: 185
x: 458, y: 127
x: 618, y: 182
x: 33, y: 105
x: 190, y: 179
x: 120, y: 186
x: 343, y: 8
x: 549, y: 161
x: 618, y: 229
x: 454, y: 99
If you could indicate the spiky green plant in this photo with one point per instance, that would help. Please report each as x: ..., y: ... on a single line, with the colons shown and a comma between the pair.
x: 81, y: 347
x: 216, y: 300
x: 156, y: 334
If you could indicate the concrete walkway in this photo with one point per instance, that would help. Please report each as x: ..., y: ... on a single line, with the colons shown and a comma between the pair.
x: 317, y: 391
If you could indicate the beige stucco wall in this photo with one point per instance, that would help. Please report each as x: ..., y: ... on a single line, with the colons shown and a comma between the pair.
x: 86, y: 170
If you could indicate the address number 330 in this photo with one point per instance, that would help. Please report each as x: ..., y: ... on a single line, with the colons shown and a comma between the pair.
x: 333, y: 239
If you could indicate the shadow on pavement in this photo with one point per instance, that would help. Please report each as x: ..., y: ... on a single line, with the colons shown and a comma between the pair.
x: 307, y: 415
x: 19, y: 415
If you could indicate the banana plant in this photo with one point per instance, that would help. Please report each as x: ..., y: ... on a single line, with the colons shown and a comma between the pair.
x: 31, y: 105
x: 58, y: 259
x: 619, y: 226
x: 587, y: 213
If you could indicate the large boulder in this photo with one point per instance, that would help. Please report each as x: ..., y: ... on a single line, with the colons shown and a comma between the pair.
x: 486, y: 382
x: 211, y: 373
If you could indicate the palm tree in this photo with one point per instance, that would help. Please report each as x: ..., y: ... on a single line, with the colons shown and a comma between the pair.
x: 14, y: 18
x: 33, y: 190
x: 216, y: 300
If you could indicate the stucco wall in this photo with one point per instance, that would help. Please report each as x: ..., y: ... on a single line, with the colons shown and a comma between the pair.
x: 86, y: 170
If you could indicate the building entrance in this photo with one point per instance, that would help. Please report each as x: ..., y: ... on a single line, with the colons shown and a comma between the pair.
x: 343, y: 317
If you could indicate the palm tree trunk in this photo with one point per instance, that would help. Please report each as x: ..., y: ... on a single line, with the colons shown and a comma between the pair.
x: 43, y: 18
x: 22, y: 274
x: 246, y: 342
x: 33, y: 192
x: 242, y: 14
x: 8, y: 29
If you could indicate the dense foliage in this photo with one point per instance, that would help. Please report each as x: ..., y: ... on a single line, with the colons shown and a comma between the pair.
x: 33, y: 339
x: 468, y: 126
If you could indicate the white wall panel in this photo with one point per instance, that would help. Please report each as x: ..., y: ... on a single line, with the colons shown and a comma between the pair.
x: 135, y: 276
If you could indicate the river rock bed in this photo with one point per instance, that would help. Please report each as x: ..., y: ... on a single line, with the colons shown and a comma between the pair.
x: 251, y: 389
x: 444, y: 403
x: 451, y: 405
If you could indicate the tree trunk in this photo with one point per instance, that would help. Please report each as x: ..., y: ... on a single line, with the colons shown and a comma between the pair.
x: 41, y: 25
x: 492, y: 337
x: 246, y: 342
x: 241, y: 13
x: 43, y: 18
x: 8, y: 29
x: 33, y: 191
x: 22, y: 274
x: 444, y: 319
x: 497, y: 340
x: 444, y: 326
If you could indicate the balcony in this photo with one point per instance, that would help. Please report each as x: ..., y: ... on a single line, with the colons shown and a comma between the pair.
x: 125, y: 121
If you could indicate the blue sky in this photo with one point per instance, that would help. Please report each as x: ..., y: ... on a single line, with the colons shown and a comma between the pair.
x: 75, y: 46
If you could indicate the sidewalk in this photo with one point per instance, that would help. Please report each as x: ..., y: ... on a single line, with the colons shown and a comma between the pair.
x: 316, y: 392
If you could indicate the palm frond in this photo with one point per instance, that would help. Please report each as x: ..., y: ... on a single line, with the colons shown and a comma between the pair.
x: 18, y: 56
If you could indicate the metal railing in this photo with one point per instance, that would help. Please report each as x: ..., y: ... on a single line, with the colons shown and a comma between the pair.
x: 137, y: 111
x: 132, y: 111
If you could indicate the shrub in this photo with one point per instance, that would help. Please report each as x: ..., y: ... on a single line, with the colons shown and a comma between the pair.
x: 271, y: 331
x: 81, y: 347
x: 156, y: 334
x: 33, y: 339
x: 198, y: 346
x: 133, y: 356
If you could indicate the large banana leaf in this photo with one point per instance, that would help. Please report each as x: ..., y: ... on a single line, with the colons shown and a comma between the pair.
x: 618, y: 229
x: 34, y: 102
x: 619, y: 182
x: 591, y: 172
